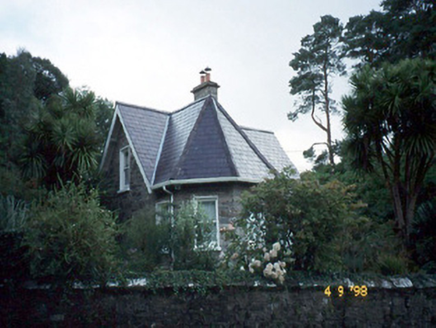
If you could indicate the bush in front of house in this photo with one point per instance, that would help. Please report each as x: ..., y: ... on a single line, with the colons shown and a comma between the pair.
x: 178, y: 240
x: 318, y: 226
x: 144, y: 243
x: 70, y: 237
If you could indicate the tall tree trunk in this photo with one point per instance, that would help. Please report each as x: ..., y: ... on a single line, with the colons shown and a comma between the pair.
x: 398, y: 209
x: 327, y: 114
x: 409, y: 215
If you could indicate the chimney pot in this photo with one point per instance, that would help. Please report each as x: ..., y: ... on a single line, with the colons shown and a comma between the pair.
x: 206, y: 87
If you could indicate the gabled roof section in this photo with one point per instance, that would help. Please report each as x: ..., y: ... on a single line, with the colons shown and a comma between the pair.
x: 199, y: 143
x: 206, y: 154
x: 249, y: 162
x: 270, y: 147
x: 145, y: 127
x: 179, y: 129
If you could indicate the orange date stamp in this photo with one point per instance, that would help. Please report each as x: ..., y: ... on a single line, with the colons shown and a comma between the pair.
x: 340, y: 291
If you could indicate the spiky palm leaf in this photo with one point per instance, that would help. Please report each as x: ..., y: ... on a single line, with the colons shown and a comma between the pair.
x: 391, y: 120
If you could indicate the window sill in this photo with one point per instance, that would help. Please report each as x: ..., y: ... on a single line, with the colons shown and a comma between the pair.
x: 215, y: 249
x: 123, y: 191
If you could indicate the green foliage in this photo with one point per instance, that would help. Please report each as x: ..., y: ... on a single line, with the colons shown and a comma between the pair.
x: 45, y: 128
x: 190, y: 239
x: 104, y: 111
x: 364, y: 38
x: 71, y: 238
x: 182, y: 240
x: 25, y: 83
x: 369, y: 240
x: 145, y: 243
x: 62, y: 140
x: 303, y: 215
x: 318, y: 223
x: 390, y: 122
x: 49, y: 79
x: 392, y: 265
x: 424, y: 235
x: 14, y: 214
x: 404, y: 29
x: 197, y: 281
x: 369, y: 188
x: 367, y: 246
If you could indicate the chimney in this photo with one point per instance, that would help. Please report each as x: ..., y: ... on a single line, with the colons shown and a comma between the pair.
x: 202, y: 77
x: 206, y: 87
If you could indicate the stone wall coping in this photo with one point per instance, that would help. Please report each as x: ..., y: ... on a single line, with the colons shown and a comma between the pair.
x: 419, y: 281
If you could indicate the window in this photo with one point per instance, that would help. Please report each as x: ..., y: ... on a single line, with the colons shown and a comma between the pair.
x: 163, y: 211
x: 163, y: 220
x: 125, y: 168
x: 208, y: 234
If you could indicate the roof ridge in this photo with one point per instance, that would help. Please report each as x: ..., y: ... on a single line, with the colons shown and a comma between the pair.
x: 174, y: 172
x: 246, y: 138
x: 255, y: 129
x: 159, y: 153
x: 142, y: 107
x: 189, y: 105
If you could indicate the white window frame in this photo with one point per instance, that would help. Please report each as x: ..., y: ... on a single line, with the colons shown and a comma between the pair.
x: 198, y: 200
x: 125, y: 158
x: 158, y: 219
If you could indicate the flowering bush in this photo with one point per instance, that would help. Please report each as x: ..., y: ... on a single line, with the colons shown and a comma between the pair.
x: 248, y: 251
x: 306, y: 217
x: 273, y: 267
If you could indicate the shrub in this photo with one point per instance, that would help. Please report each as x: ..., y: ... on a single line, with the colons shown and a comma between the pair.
x: 190, y: 234
x: 145, y: 243
x: 313, y: 221
x: 71, y: 237
x: 424, y: 235
x: 13, y: 213
x: 180, y: 239
x: 369, y: 246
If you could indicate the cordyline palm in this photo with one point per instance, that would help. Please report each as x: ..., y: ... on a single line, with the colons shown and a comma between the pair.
x: 62, y: 140
x: 390, y: 118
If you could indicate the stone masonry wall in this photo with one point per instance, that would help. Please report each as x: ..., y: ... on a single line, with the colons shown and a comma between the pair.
x: 229, y: 197
x: 229, y: 307
x: 137, y: 197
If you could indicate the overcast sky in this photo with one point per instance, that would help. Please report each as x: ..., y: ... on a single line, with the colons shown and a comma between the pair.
x: 150, y: 52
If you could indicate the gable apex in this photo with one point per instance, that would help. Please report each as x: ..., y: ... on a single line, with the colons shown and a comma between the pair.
x: 206, y: 153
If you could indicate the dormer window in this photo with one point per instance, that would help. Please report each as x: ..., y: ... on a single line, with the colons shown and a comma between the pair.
x: 125, y: 168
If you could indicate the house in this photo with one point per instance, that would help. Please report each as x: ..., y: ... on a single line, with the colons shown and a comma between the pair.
x: 198, y: 152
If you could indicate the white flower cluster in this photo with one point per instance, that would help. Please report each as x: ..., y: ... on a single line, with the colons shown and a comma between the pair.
x: 277, y: 270
x: 274, y: 269
x: 253, y: 265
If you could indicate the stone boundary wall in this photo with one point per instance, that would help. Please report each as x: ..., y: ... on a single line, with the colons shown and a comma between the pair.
x: 386, y: 305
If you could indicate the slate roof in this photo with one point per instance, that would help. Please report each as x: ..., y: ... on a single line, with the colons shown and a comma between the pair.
x: 269, y: 146
x: 198, y: 143
x: 146, y: 129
